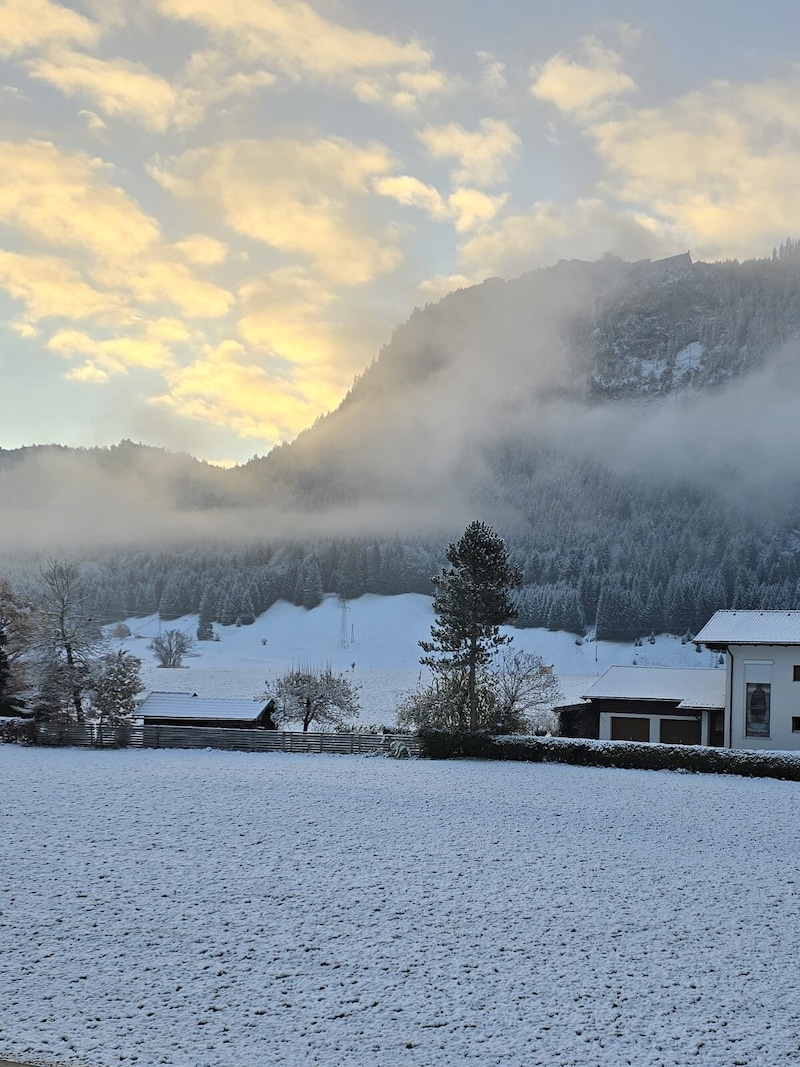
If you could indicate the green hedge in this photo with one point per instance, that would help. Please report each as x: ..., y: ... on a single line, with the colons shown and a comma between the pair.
x: 452, y: 744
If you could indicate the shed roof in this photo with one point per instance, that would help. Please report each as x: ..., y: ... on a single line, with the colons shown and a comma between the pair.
x: 751, y: 628
x: 189, y: 706
x: 690, y: 687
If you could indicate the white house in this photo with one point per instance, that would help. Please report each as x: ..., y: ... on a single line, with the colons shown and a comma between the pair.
x: 762, y: 683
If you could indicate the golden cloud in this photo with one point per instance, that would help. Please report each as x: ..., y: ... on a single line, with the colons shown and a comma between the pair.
x: 52, y: 287
x: 62, y: 198
x: 117, y: 87
x: 298, y: 197
x: 227, y: 387
x: 131, y: 91
x: 159, y: 281
x: 29, y: 24
x: 300, y: 42
x: 467, y: 207
x: 202, y: 250
x: 113, y: 355
x: 717, y: 169
x: 482, y: 155
x: 574, y: 86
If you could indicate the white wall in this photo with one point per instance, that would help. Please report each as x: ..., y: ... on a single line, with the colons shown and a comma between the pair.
x: 773, y: 663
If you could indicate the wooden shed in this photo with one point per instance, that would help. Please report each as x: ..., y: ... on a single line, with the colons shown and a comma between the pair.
x: 188, y: 709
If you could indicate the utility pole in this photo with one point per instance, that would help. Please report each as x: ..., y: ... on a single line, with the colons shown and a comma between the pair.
x: 343, y: 610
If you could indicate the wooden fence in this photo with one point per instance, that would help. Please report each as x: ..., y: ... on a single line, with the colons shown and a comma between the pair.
x: 230, y: 740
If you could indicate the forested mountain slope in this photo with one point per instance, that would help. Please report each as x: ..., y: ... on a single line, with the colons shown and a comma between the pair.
x: 630, y: 428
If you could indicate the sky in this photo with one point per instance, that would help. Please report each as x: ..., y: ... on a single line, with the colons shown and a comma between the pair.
x: 213, y: 214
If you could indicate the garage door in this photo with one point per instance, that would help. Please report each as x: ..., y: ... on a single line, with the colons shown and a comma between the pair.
x: 680, y: 732
x: 629, y: 729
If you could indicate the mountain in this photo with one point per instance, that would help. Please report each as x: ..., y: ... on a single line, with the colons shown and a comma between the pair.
x: 629, y: 427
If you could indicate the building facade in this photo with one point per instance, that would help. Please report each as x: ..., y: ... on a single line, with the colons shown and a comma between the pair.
x: 762, y: 690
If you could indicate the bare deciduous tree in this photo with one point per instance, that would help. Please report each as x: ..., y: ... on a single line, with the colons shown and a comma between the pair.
x: 68, y: 637
x: 170, y: 647
x: 315, y: 694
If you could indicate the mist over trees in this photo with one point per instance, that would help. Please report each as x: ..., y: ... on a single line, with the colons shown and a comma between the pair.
x: 629, y: 430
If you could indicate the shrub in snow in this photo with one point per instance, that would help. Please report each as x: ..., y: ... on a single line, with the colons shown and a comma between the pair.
x: 399, y: 750
x: 17, y: 731
x: 170, y: 647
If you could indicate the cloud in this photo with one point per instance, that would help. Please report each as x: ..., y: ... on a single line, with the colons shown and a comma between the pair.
x: 466, y: 207
x: 471, y: 207
x: 228, y: 386
x: 442, y: 284
x: 110, y: 356
x: 582, y: 229
x: 202, y: 250
x: 305, y: 45
x: 160, y: 281
x: 493, y: 73
x: 116, y: 87
x: 482, y: 155
x: 52, y: 288
x: 411, y: 192
x: 129, y: 90
x: 62, y: 198
x: 717, y: 169
x: 300, y: 197
x: 580, y: 86
x: 26, y: 25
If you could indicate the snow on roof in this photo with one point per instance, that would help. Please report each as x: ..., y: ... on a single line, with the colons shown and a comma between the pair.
x: 751, y: 628
x: 189, y: 706
x: 691, y: 687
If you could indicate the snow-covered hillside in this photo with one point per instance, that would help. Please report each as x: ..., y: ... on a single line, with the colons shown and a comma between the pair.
x: 381, y: 653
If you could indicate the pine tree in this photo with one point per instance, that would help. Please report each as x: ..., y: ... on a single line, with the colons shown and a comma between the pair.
x: 472, y: 601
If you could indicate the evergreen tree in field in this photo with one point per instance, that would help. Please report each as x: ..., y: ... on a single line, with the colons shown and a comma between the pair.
x: 472, y: 601
x: 205, y: 624
x: 115, y: 685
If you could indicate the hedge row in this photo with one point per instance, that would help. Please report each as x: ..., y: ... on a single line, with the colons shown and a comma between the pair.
x: 17, y: 731
x: 452, y: 744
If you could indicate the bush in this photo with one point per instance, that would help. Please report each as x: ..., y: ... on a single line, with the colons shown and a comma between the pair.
x: 451, y: 744
x: 17, y: 731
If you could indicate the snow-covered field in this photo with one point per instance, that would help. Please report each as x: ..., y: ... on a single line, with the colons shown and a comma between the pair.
x: 211, y: 909
x: 381, y: 656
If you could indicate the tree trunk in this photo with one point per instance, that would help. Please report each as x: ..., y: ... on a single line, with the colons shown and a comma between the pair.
x: 472, y: 690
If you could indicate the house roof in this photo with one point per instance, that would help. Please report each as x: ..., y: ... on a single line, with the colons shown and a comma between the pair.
x: 751, y: 628
x: 690, y: 687
x: 189, y: 706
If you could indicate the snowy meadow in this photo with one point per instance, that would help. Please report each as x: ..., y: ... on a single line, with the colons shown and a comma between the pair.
x: 211, y: 909
x: 380, y: 654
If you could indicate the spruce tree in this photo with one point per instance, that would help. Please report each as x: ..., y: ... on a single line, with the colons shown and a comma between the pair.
x: 472, y: 601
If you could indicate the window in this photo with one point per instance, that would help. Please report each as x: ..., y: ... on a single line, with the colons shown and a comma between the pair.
x: 757, y: 699
x: 796, y: 724
x: 796, y: 672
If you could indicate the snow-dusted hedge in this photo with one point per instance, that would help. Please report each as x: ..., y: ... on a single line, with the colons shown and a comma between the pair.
x: 17, y: 731
x: 445, y: 744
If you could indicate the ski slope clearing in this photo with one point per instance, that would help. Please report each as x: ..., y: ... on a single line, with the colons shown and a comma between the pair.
x: 210, y: 909
x: 381, y: 654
